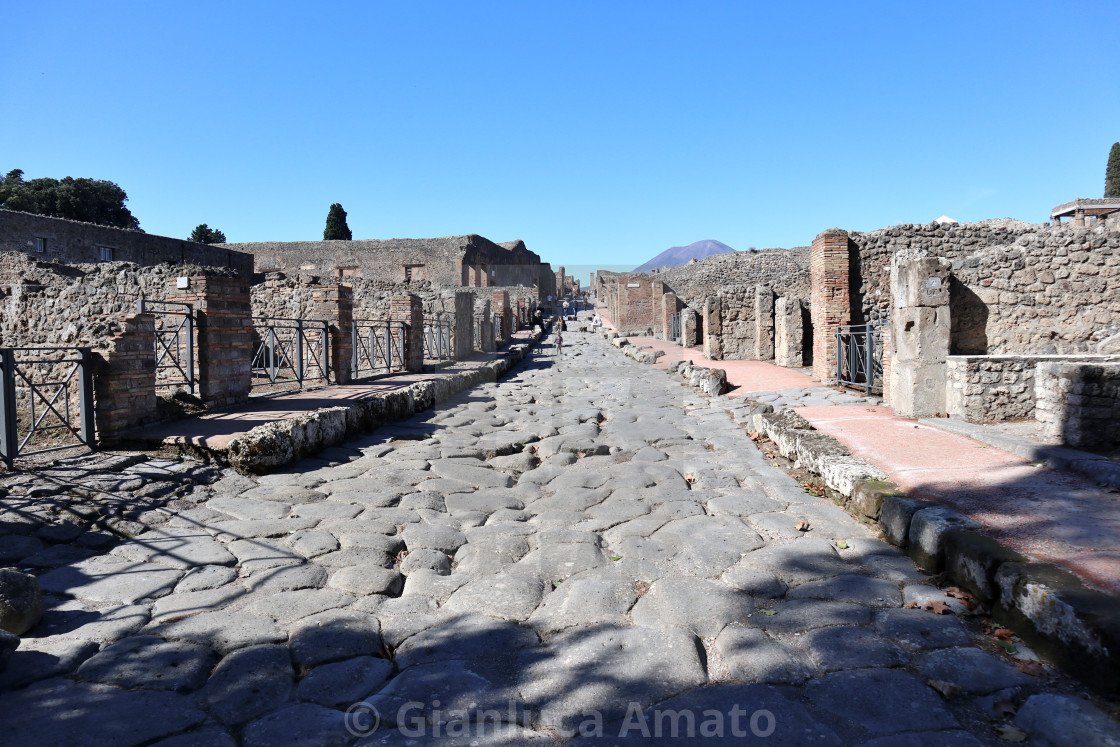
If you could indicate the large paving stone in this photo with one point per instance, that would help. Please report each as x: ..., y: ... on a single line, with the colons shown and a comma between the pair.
x: 107, y: 578
x: 605, y: 669
x: 208, y: 736
x: 489, y: 555
x: 722, y: 716
x: 258, y: 554
x: 299, y: 725
x: 176, y: 606
x: 433, y: 585
x: 512, y: 596
x: 150, y: 663
x: 412, y: 696
x: 594, y: 597
x: 708, y: 545
x: 288, y: 578
x: 487, y: 501
x: 333, y: 635
x: 702, y: 607
x: 343, y: 683
x: 971, y: 669
x: 757, y: 583
x: 845, y: 647
x: 222, y: 631
x: 880, y: 701
x: 100, y: 623
x: 489, y: 645
x: 558, y: 562
x: 1054, y: 720
x: 248, y: 683
x: 63, y: 712
x: 235, y: 529
x: 205, y: 577
x: 475, y: 474
x: 752, y: 656
x: 246, y: 508
x: 40, y: 658
x: 870, y: 592
x: 918, y: 629
x: 799, y: 615
x: 367, y: 579
x: 432, y: 560
x: 806, y: 559
x: 288, y: 606
x: 432, y: 537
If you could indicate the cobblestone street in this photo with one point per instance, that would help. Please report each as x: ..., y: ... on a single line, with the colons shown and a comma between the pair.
x: 585, y: 551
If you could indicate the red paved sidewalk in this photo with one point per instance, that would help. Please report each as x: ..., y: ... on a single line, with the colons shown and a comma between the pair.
x: 1044, y: 514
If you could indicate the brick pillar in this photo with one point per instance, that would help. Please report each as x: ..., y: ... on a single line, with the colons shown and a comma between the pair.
x: 788, y: 333
x: 713, y: 328
x: 668, y: 308
x: 763, y: 323
x: 224, y: 318
x: 408, y: 308
x: 919, y: 334
x: 502, y: 315
x: 656, y: 308
x: 334, y: 304
x: 830, y: 300
x: 124, y: 378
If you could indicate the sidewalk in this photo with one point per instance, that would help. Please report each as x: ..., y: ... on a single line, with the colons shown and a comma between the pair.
x: 1044, y: 514
x: 213, y: 432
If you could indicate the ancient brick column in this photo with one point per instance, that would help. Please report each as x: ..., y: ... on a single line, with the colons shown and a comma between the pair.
x: 788, y: 333
x: 124, y: 378
x: 656, y: 308
x: 689, y: 326
x: 502, y: 315
x: 713, y: 328
x: 830, y: 300
x: 334, y: 304
x: 224, y: 319
x: 919, y: 334
x: 668, y: 308
x: 764, y: 323
x: 408, y: 308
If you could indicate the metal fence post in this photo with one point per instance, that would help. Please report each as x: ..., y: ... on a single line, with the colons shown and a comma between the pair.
x: 324, y: 358
x: 840, y: 353
x: 8, y: 436
x: 190, y: 349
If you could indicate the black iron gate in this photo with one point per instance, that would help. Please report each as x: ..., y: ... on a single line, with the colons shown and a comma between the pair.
x: 290, y: 351
x: 675, y: 327
x: 46, y: 401
x: 174, y: 341
x: 859, y: 356
x: 437, y: 339
x: 378, y: 347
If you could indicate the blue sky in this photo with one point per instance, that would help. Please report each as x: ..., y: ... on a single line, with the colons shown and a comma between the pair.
x: 598, y: 132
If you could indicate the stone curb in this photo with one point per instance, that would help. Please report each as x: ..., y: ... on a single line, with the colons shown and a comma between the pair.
x: 273, y: 445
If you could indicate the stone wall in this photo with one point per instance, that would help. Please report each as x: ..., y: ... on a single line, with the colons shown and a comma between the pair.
x: 996, y: 388
x: 1079, y: 403
x: 47, y: 303
x: 786, y: 271
x: 738, y: 324
x: 452, y: 261
x: 74, y: 242
x: 1017, y: 288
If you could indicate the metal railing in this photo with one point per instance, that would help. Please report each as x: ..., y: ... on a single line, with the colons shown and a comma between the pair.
x: 290, y: 351
x: 438, y: 339
x: 674, y: 327
x: 39, y: 388
x: 174, y: 341
x: 859, y: 356
x: 378, y: 347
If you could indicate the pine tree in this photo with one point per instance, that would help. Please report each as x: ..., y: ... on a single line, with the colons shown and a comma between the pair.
x: 336, y: 224
x: 1112, y: 172
x: 204, y: 234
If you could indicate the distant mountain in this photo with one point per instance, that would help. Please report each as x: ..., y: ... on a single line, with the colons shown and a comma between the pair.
x: 680, y: 255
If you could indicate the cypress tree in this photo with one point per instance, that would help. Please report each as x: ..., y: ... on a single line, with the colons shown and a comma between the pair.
x: 336, y: 224
x: 1112, y: 172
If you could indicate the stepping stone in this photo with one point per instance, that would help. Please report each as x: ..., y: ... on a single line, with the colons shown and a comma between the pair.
x: 752, y: 656
x: 150, y: 663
